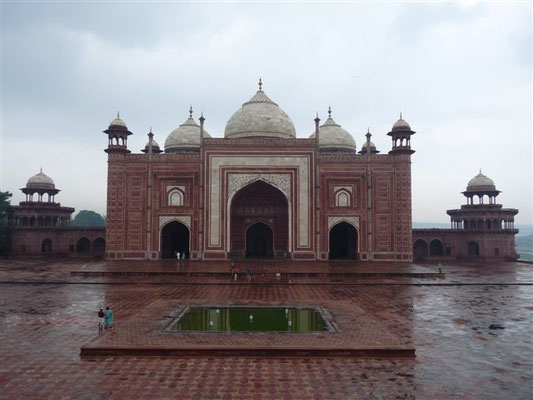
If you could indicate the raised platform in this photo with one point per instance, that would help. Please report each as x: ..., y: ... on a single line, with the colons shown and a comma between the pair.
x: 356, y: 334
x: 267, y: 270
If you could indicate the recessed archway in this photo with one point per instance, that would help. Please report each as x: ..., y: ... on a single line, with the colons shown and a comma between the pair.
x: 175, y: 237
x: 343, y: 242
x: 473, y: 249
x: 46, y: 246
x: 259, y: 202
x: 83, y: 246
x: 99, y: 247
x: 420, y: 249
x: 259, y: 241
x: 436, y: 249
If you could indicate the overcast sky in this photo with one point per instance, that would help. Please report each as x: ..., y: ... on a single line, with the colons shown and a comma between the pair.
x: 461, y: 73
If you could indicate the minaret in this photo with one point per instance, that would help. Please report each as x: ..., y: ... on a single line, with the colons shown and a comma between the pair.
x: 401, y: 137
x: 152, y: 147
x: 369, y: 147
x: 118, y: 136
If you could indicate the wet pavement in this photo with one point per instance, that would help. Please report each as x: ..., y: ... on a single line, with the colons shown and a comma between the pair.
x: 471, y: 329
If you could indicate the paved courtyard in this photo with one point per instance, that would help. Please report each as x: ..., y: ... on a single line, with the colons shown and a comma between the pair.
x: 470, y: 326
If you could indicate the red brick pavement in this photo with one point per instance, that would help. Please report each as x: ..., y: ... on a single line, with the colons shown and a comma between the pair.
x: 42, y: 327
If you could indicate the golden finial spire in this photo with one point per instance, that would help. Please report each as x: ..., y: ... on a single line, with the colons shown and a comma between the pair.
x: 260, y: 84
x: 329, y: 111
x: 190, y: 111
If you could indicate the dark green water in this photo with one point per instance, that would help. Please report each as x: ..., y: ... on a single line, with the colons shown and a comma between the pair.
x: 237, y: 319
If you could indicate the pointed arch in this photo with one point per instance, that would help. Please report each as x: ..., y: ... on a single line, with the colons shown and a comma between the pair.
x: 343, y: 198
x: 258, y: 202
x: 343, y: 241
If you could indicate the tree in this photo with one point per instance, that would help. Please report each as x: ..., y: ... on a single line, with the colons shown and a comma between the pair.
x: 5, y: 237
x: 87, y: 218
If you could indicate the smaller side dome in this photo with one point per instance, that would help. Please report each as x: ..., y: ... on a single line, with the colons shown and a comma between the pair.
x: 480, y: 182
x: 155, y: 145
x: 333, y: 137
x: 40, y: 181
x: 373, y: 149
x: 368, y: 146
x: 185, y: 137
x: 401, y: 125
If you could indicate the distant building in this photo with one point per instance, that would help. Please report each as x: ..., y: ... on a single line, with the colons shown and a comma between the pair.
x: 259, y: 192
x: 480, y: 229
x: 40, y: 226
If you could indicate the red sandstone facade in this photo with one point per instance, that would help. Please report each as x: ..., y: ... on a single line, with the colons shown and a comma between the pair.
x: 259, y: 192
x: 478, y: 230
x: 40, y: 226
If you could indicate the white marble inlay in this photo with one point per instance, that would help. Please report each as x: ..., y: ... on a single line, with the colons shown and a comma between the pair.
x: 267, y: 162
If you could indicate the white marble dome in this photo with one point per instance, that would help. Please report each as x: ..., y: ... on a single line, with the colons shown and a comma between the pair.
x: 333, y: 137
x: 40, y: 181
x: 186, y: 136
x: 480, y: 182
x: 260, y: 117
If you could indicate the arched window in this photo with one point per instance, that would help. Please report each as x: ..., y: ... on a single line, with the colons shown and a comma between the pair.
x: 343, y: 198
x: 175, y: 197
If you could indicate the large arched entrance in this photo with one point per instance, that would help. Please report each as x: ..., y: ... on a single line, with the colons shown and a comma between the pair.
x: 175, y: 237
x: 259, y: 241
x: 343, y: 242
x: 255, y: 210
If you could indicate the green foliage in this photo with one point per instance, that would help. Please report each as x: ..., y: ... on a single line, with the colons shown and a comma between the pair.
x: 5, y: 203
x: 87, y: 218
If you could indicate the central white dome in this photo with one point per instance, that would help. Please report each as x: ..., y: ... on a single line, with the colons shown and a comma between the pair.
x: 260, y: 117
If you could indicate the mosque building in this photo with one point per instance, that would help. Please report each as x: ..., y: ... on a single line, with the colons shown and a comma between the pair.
x: 259, y: 192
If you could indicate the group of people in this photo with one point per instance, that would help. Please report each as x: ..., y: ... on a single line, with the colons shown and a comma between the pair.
x: 234, y: 271
x: 180, y: 255
x: 105, y: 319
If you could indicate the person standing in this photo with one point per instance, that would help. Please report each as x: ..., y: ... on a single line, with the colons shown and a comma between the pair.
x: 108, y: 318
x: 101, y: 316
x: 249, y: 274
x: 178, y: 254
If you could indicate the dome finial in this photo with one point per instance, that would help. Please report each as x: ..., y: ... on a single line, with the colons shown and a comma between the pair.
x: 329, y: 111
x: 401, y: 115
x: 480, y: 170
x: 190, y: 111
x: 42, y: 170
x: 118, y: 114
x: 260, y: 84
x: 150, y: 129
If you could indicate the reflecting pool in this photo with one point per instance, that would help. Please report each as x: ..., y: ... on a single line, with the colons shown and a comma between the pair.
x: 250, y: 319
